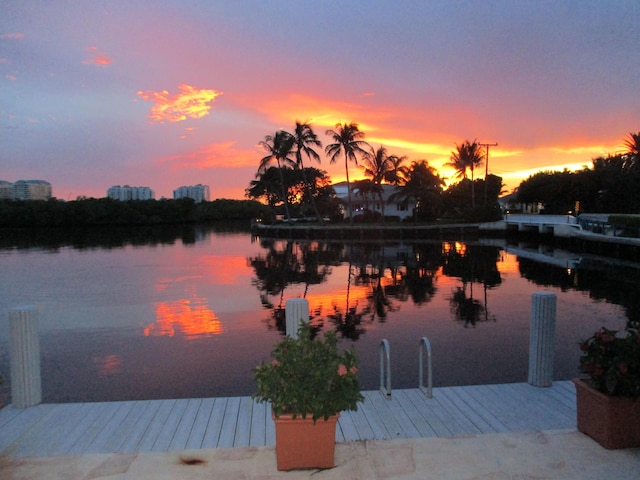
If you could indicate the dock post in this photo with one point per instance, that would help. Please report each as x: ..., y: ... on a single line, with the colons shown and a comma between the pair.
x: 24, y: 354
x: 542, y: 339
x: 296, y: 311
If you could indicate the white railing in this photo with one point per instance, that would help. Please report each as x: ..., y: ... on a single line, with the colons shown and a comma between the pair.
x: 540, y: 219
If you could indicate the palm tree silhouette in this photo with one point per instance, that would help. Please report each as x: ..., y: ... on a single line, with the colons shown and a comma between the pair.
x: 466, y: 157
x: 348, y: 139
x: 377, y: 166
x: 279, y: 148
x: 398, y: 173
x: 632, y: 153
x: 304, y: 140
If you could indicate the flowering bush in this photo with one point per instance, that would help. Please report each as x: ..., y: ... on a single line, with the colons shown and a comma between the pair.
x: 309, y: 377
x: 611, y: 359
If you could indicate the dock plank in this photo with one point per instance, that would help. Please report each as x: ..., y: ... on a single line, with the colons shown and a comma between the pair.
x: 472, y: 418
x: 122, y: 432
x: 372, y: 416
x: 491, y: 422
x: 102, y: 413
x: 46, y: 435
x: 170, y: 425
x: 421, y: 425
x: 229, y: 422
x: 242, y: 436
x: 212, y: 434
x: 258, y: 435
x: 200, y: 424
x: 347, y: 427
x: 174, y: 425
x: 154, y: 428
x: 186, y: 425
x: 140, y: 427
x: 20, y: 422
x: 110, y: 429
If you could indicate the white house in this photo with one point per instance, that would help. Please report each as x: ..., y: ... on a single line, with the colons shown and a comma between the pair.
x: 371, y: 201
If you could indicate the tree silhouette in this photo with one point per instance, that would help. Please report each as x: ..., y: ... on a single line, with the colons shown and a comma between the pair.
x: 467, y: 156
x: 377, y: 166
x: 279, y: 148
x: 304, y: 140
x: 348, y: 140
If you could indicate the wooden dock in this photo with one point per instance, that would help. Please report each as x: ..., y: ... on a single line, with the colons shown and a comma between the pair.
x: 168, y: 425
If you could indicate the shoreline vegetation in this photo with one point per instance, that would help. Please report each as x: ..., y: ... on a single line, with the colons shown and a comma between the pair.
x: 93, y: 212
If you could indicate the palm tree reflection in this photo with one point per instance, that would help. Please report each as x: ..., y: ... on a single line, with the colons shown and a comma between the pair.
x: 348, y: 321
x: 283, y: 264
x: 379, y: 278
x: 471, y: 266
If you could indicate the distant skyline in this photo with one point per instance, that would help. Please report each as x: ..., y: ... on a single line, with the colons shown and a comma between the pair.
x: 169, y: 93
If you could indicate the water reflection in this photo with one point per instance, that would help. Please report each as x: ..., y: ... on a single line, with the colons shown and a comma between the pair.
x: 471, y: 267
x: 379, y: 278
x: 189, y: 317
x: 159, y: 319
x: 285, y: 263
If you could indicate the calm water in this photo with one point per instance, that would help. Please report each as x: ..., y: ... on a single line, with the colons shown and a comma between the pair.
x: 169, y: 314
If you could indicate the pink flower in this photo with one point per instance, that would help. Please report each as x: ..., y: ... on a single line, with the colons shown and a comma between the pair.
x: 353, y: 370
x: 342, y: 370
x: 275, y: 363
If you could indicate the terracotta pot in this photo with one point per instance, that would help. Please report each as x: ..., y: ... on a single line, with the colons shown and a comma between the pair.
x: 300, y: 443
x: 613, y: 422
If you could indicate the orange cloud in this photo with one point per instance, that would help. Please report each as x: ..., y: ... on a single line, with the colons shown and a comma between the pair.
x: 100, y: 58
x: 214, y: 155
x: 322, y: 113
x: 189, y: 102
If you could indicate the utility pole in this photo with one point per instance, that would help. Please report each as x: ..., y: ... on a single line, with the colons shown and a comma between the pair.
x: 486, y: 167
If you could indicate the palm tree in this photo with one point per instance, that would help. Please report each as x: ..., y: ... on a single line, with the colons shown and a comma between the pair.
x: 365, y: 188
x: 466, y: 157
x: 279, y: 148
x: 424, y: 187
x: 377, y: 166
x: 632, y: 144
x: 348, y: 139
x: 304, y: 140
x: 398, y: 173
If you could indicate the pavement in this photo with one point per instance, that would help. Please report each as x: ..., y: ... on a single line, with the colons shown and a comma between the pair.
x: 554, y: 454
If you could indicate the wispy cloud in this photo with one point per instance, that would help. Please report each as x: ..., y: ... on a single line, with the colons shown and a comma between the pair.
x: 189, y: 102
x: 11, y: 36
x: 97, y: 57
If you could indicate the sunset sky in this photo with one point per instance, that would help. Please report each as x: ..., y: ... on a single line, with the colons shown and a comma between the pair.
x: 164, y: 93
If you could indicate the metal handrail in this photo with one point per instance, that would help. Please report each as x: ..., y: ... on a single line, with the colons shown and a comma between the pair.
x: 425, y: 344
x: 385, y: 354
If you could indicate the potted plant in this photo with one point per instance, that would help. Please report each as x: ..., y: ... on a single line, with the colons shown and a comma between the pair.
x: 608, y: 399
x: 308, y: 383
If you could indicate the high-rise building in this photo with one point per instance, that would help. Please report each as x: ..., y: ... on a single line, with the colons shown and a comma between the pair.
x: 199, y: 193
x: 6, y: 189
x: 126, y: 193
x: 25, y: 190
